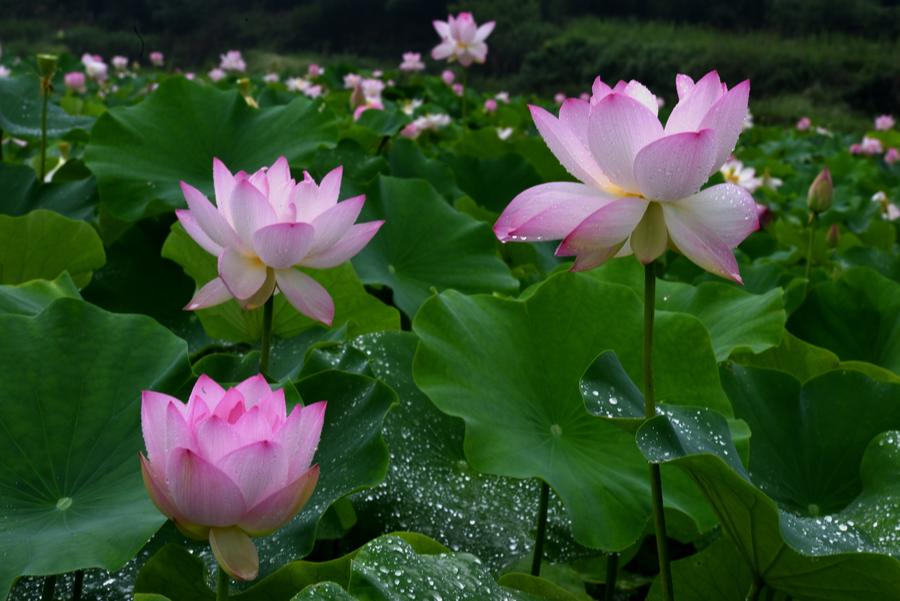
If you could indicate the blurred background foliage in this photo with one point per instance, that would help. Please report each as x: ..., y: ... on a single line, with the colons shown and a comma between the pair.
x: 836, y: 60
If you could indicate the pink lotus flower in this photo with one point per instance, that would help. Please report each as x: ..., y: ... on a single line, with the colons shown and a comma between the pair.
x: 229, y: 464
x: 75, y: 81
x: 462, y: 39
x: 374, y: 105
x: 265, y: 224
x: 94, y: 66
x: 892, y: 156
x: 458, y: 89
x: 502, y: 97
x: 490, y: 105
x: 803, y: 123
x: 271, y: 78
x: 884, y: 122
x: 867, y: 146
x: 352, y: 80
x: 119, y: 63
x: 4, y: 72
x: 156, y: 58
x: 448, y: 76
x: 232, y: 61
x: 216, y: 74
x: 412, y: 61
x: 314, y: 70
x: 559, y: 98
x: 640, y: 181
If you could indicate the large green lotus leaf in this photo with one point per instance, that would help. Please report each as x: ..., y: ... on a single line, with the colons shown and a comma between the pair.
x: 493, y: 182
x: 139, y: 153
x: 815, y: 516
x: 426, y: 245
x: 71, y: 493
x: 33, y: 297
x: 20, y: 110
x: 738, y: 321
x: 324, y: 591
x: 856, y: 316
x: 43, y: 244
x: 717, y: 573
x: 407, y: 160
x: 511, y: 370
x: 430, y: 487
x: 22, y: 193
x: 228, y: 321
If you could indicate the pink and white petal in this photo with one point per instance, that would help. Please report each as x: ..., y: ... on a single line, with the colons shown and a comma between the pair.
x: 331, y: 225
x: 330, y: 187
x: 567, y: 145
x: 273, y: 407
x: 466, y: 28
x: 344, y: 249
x: 683, y: 85
x: 223, y: 185
x: 464, y: 57
x: 242, y: 275
x: 260, y: 181
x: 250, y: 211
x: 727, y: 210
x: 442, y: 28
x: 548, y: 211
x: 210, y: 219
x: 642, y: 94
x: 574, y: 114
x: 154, y: 406
x: 484, y: 31
x: 607, y: 227
x: 282, y: 245
x: 478, y: 51
x: 207, y: 390
x: 217, y: 438
x: 254, y: 426
x: 443, y: 50
x: 231, y: 407
x: 650, y: 238
x: 279, y: 173
x: 596, y: 257
x: 156, y: 488
x: 213, y: 293
x: 258, y: 469
x: 201, y: 491
x: 178, y: 432
x: 254, y: 389
x: 308, y: 296
x: 599, y: 90
x: 726, y: 119
x: 699, y: 244
x: 675, y: 166
x: 260, y: 297
x: 190, y: 225
x: 619, y: 127
x: 235, y: 552
x: 279, y: 507
x: 300, y: 435
x: 691, y: 109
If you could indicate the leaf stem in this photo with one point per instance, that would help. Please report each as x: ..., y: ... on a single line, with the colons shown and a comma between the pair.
x: 809, y: 248
x: 465, y: 88
x: 45, y: 99
x: 49, y: 588
x: 612, y: 571
x: 659, y: 518
x: 222, y: 582
x: 756, y: 588
x: 77, y: 585
x: 541, y: 530
x: 266, y: 342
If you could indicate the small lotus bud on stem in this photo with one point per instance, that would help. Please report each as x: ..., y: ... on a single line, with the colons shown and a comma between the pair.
x: 833, y: 237
x: 820, y: 193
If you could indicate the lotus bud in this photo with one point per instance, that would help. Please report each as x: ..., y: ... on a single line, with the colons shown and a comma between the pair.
x: 820, y: 193
x: 833, y: 237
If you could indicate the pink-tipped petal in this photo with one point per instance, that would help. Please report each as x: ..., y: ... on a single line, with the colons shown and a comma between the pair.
x: 642, y: 94
x: 331, y: 225
x: 243, y: 275
x: 442, y: 28
x: 279, y: 174
x: 201, y: 491
x: 154, y: 406
x: 484, y: 31
x: 243, y: 464
x: 346, y: 248
x: 683, y: 85
x: 595, y: 257
x: 213, y: 293
x: 606, y: 227
x: 727, y: 210
x: 223, y: 184
x: 700, y: 244
x: 178, y: 432
x: 231, y: 407
x: 282, y: 245
x: 567, y: 145
x: 443, y: 50
x: 262, y: 295
x: 726, y: 119
x: 207, y: 390
x: 208, y: 218
x: 692, y: 108
x: 599, y: 90
x: 308, y: 296
x: 216, y: 438
x: 254, y: 426
x: 478, y: 51
x: 156, y: 488
x: 279, y: 507
x: 254, y: 389
x: 235, y: 552
x: 675, y: 166
x: 190, y: 225
x: 620, y: 126
x: 250, y: 211
x: 300, y: 435
x: 548, y: 211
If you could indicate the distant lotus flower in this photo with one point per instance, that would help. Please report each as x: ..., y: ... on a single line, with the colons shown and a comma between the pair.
x: 372, y: 89
x: 410, y: 131
x: 265, y: 224
x: 75, y: 81
x: 504, y: 132
x: 559, y: 98
x: 412, y: 61
x: 119, y: 63
x: 803, y: 123
x: 448, y: 76
x: 867, y: 146
x: 891, y: 156
x: 352, y: 80
x: 888, y: 209
x: 313, y: 91
x: 94, y: 66
x: 216, y: 74
x: 190, y: 75
x: 271, y: 78
x: 314, y: 70
x: 296, y: 84
x: 230, y: 464
x: 734, y: 172
x: 661, y: 102
x: 4, y: 72
x: 432, y: 121
x: 884, y: 122
x: 156, y: 58
x: 409, y: 107
x: 232, y: 61
x: 748, y: 121
x: 640, y: 181
x: 502, y: 97
x: 458, y: 89
x: 462, y: 39
x: 490, y: 105
x: 377, y: 73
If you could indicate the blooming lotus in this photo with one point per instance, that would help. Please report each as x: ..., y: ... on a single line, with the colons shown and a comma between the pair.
x: 884, y: 122
x: 120, y: 63
x: 462, y: 39
x: 157, y: 59
x: 640, y: 181
x: 892, y: 156
x: 229, y: 464
x: 265, y: 224
x: 803, y: 123
x: 734, y: 172
x: 94, y: 66
x: 75, y: 81
x: 216, y: 74
x: 412, y: 61
x: 232, y: 61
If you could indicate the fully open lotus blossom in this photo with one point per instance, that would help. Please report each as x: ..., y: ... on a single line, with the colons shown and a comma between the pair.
x: 734, y: 172
x: 119, y: 63
x: 412, y: 61
x: 462, y: 39
x: 265, y: 224
x: 75, y: 81
x: 884, y: 122
x: 232, y: 61
x: 216, y: 74
x: 640, y: 181
x: 892, y: 156
x: 94, y: 66
x: 867, y: 146
x: 230, y: 464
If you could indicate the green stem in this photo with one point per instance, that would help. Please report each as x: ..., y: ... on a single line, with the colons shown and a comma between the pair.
x: 49, y: 588
x: 266, y: 342
x: 755, y: 589
x: 809, y: 247
x: 541, y: 530
x: 1, y: 144
x: 612, y: 571
x: 78, y: 585
x: 465, y: 84
x: 222, y: 583
x: 659, y: 518
x: 45, y: 94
